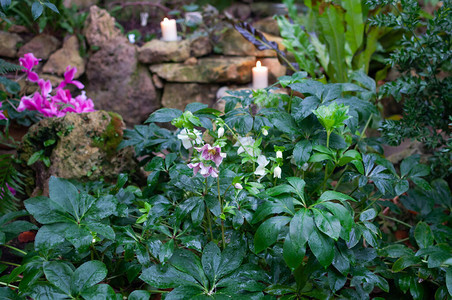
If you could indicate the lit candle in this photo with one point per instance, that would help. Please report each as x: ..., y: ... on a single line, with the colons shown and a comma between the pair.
x: 260, y: 76
x: 169, y: 31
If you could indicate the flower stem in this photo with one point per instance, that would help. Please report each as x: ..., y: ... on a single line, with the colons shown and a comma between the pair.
x: 209, y: 222
x: 222, y: 221
x: 15, y: 249
x: 396, y: 220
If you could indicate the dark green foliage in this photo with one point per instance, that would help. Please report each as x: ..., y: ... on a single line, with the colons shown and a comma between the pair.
x: 425, y: 85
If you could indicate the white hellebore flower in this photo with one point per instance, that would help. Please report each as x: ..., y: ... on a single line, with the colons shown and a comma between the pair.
x: 278, y: 154
x: 264, y: 132
x: 188, y: 138
x: 245, y: 144
x: 305, y: 166
x: 220, y: 132
x: 277, y: 172
x: 262, y: 162
x: 238, y: 186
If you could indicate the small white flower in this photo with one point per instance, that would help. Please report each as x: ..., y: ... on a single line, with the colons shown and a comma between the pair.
x: 305, y: 166
x: 220, y: 132
x: 277, y: 172
x: 262, y: 162
x: 131, y: 38
x: 264, y: 132
x: 238, y: 186
x: 279, y: 154
x: 188, y: 138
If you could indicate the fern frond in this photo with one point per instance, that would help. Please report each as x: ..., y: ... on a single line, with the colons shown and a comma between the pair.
x: 6, y: 67
x: 9, y: 178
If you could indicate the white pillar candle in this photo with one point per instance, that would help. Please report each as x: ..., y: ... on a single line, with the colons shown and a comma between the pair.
x: 144, y: 19
x: 260, y: 76
x: 169, y: 30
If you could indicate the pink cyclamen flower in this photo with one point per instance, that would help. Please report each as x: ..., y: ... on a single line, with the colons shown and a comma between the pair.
x: 28, y: 62
x: 211, y: 153
x: 45, y: 86
x: 69, y: 78
x: 37, y: 102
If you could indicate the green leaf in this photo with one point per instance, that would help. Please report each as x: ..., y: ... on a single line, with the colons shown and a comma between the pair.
x: 102, y: 229
x: 449, y: 280
x: 405, y: 262
x: 64, y: 194
x: 355, y: 25
x: 164, y: 115
x: 5, y: 4
x: 267, y: 233
x: 166, y: 277
x: 49, y: 236
x: 298, y: 184
x: 333, y: 195
x: 322, y: 247
x: 139, y: 295
x: 302, y: 152
x: 51, y: 6
x: 231, y: 258
x: 102, y: 291
x: 87, y: 275
x: 35, y: 157
x: 327, y: 223
x: 36, y: 9
x: 340, y: 212
x: 332, y: 25
x: 401, y: 187
x: 423, y: 235
x: 189, y: 263
x: 280, y: 189
x: 59, y: 274
x: 301, y: 227
x: 211, y: 259
x: 368, y: 215
x: 293, y: 252
x: 11, y: 87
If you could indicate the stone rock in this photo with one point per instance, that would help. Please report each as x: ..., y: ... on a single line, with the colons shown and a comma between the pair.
x: 200, y: 46
x: 69, y: 55
x: 208, y: 70
x: 157, y: 51
x: 80, y: 3
x: 8, y: 44
x: 407, y: 148
x: 191, y: 61
x: 157, y: 81
x: 268, y: 25
x: 178, y: 95
x: 117, y: 82
x: 275, y: 69
x: 99, y: 27
x: 84, y: 149
x: 231, y: 42
x: 41, y: 46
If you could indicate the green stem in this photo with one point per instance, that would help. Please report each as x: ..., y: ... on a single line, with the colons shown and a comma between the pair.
x: 9, y: 263
x: 209, y: 222
x: 222, y: 221
x: 9, y: 285
x: 15, y: 249
x: 396, y: 220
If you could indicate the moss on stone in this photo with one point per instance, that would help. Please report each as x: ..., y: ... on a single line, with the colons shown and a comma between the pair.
x: 109, y: 140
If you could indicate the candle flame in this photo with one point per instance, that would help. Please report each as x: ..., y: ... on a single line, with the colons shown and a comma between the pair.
x: 258, y: 64
x: 165, y: 20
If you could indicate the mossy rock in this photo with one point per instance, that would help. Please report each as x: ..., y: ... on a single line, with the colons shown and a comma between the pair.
x: 77, y: 146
